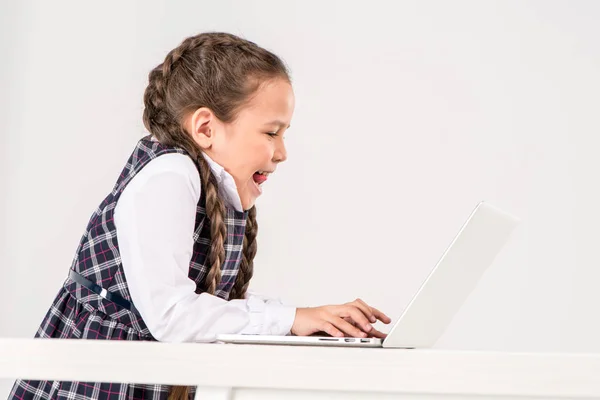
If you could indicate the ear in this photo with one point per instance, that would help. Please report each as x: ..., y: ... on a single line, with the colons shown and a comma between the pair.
x: 199, y: 125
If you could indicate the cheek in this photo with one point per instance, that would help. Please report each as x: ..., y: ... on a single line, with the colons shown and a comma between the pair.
x: 242, y: 164
x: 268, y: 147
x: 266, y: 152
x: 259, y: 156
x: 250, y: 156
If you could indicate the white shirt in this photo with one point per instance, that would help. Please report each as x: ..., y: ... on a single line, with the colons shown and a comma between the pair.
x: 155, y: 218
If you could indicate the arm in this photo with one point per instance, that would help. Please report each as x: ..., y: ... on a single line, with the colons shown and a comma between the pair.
x: 155, y: 219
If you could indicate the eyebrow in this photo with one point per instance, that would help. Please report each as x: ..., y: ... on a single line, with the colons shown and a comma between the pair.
x: 278, y: 122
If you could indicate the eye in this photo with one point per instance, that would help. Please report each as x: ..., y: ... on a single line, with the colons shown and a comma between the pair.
x: 272, y: 134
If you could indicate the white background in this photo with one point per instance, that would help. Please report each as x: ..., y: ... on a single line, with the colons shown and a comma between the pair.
x: 408, y: 114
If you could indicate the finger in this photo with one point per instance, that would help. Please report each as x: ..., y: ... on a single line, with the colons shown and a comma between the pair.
x: 331, y: 330
x: 365, y: 309
x: 377, y: 334
x: 347, y: 327
x: 376, y: 313
x: 357, y: 315
x: 381, y: 316
x: 348, y: 320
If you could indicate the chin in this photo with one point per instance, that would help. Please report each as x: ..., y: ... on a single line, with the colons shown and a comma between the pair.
x: 248, y: 198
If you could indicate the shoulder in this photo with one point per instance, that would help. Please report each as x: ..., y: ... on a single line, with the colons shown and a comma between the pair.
x: 172, y: 162
x: 176, y: 168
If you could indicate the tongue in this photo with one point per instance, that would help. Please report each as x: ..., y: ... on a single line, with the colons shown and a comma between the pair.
x: 259, y: 178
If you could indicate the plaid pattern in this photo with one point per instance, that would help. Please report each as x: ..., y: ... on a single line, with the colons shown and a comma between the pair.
x: 79, y: 313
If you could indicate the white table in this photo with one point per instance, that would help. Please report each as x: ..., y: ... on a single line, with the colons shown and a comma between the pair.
x: 275, y: 372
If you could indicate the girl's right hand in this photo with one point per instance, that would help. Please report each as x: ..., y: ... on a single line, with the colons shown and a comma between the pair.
x: 350, y: 319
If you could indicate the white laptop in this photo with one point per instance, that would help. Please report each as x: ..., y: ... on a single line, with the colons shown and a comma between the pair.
x: 440, y: 296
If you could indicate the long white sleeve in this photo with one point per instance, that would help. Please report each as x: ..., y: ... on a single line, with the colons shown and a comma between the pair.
x: 155, y: 219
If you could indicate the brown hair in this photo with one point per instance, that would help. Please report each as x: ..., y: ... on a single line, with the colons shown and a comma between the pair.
x: 219, y: 71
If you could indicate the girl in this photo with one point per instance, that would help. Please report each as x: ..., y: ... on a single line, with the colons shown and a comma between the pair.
x: 168, y: 255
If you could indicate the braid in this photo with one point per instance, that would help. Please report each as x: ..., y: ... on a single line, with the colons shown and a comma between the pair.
x: 215, y: 211
x: 247, y: 264
x: 158, y: 117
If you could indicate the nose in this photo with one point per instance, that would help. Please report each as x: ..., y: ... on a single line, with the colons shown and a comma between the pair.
x: 280, y: 154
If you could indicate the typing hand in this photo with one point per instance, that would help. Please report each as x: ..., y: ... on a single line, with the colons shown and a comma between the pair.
x: 350, y: 319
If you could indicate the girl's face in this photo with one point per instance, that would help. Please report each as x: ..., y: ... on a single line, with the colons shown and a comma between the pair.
x: 251, y: 146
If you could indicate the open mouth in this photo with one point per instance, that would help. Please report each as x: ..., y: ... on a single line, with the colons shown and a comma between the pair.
x: 260, y: 177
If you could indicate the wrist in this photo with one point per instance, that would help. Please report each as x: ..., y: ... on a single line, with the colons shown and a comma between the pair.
x: 297, y: 320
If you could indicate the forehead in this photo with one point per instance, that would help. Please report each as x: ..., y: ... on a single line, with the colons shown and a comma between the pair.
x: 273, y: 100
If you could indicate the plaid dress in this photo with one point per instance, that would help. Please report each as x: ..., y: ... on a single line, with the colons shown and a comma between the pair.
x: 78, y: 312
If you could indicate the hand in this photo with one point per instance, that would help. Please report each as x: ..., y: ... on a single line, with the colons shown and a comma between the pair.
x: 350, y: 319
